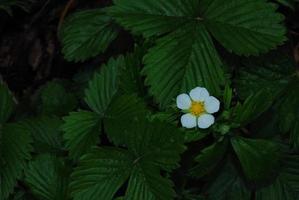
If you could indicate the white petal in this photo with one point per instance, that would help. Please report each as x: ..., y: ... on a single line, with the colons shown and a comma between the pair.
x: 199, y: 94
x: 212, y: 104
x: 188, y: 121
x: 205, y: 121
x: 183, y: 101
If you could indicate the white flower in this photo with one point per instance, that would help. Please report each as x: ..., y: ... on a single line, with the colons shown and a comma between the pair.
x: 198, y: 106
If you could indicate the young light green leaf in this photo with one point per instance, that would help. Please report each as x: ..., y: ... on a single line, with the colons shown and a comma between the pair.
x: 182, y: 61
x: 81, y: 132
x: 48, y: 178
x: 104, y: 86
x: 14, y: 152
x: 86, y: 34
x: 244, y: 27
x: 259, y: 158
x: 6, y: 103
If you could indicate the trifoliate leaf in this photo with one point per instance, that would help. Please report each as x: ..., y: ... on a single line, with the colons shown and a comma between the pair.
x: 6, y: 103
x: 100, y: 174
x: 55, y: 100
x: 81, y: 132
x: 182, y: 61
x: 152, y: 146
x: 86, y: 34
x: 259, y: 158
x: 228, y: 186
x: 122, y: 112
x: 104, y: 86
x: 246, y: 27
x: 208, y: 159
x: 46, y: 134
x: 186, y: 57
x: 14, y: 152
x: 48, y: 178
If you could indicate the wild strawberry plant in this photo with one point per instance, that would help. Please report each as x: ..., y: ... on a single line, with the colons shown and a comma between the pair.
x: 202, y: 104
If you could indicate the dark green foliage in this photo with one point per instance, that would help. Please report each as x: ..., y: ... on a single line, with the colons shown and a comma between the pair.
x: 114, y: 132
x: 259, y: 158
x: 86, y: 34
x: 7, y: 104
x: 149, y: 145
x: 55, y: 99
x: 49, y: 184
x: 14, y: 152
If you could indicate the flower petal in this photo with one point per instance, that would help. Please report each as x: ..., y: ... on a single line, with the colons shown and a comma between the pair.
x: 199, y: 94
x: 188, y: 120
x: 183, y: 101
x: 212, y: 105
x: 205, y: 121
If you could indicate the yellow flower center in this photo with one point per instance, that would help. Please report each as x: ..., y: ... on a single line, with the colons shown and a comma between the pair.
x: 197, y: 108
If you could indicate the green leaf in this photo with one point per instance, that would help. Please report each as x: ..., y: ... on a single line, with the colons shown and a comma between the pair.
x: 228, y: 186
x: 81, y: 132
x: 7, y: 103
x: 122, y: 112
x: 131, y: 80
x: 86, y: 34
x: 55, y: 100
x: 152, y: 146
x: 208, y: 159
x: 253, y: 107
x: 100, y: 174
x: 271, y: 71
x: 48, y: 178
x: 156, y: 143
x: 287, y: 111
x: 146, y: 183
x: 14, y: 152
x: 227, y: 96
x: 182, y: 61
x: 46, y: 134
x: 286, y: 185
x: 154, y: 18
x: 245, y: 27
x: 259, y: 158
x: 104, y: 86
